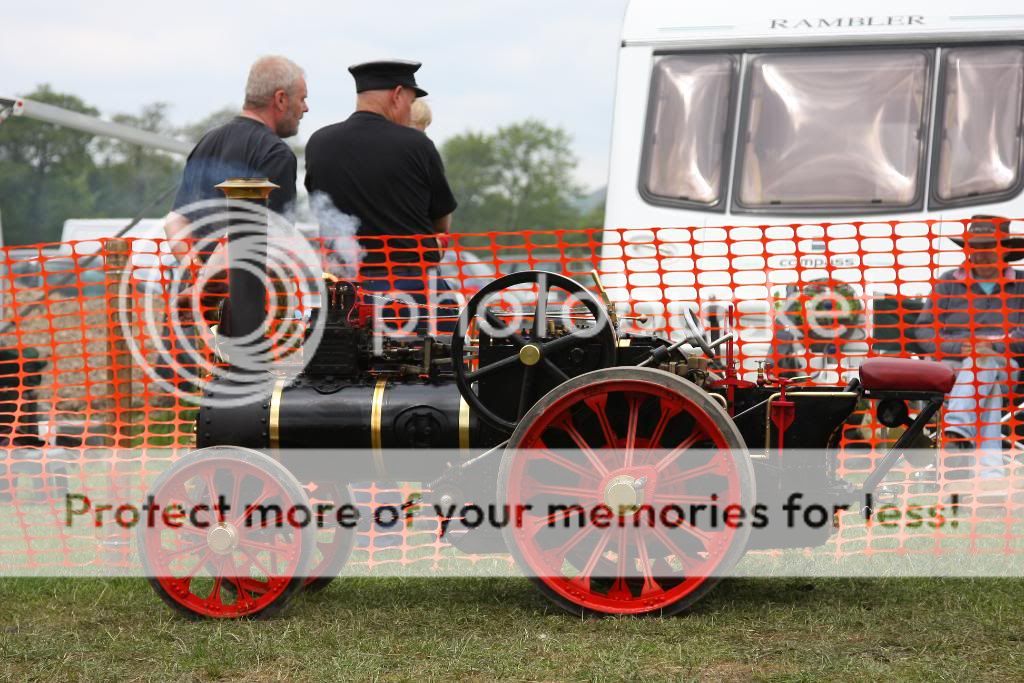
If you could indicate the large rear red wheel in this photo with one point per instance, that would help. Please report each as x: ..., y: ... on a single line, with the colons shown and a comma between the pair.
x: 593, y: 467
x: 232, y: 536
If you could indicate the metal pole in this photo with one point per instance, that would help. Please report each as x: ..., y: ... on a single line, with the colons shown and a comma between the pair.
x: 48, y: 113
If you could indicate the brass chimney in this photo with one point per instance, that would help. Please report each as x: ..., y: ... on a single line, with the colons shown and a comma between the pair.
x: 247, y: 292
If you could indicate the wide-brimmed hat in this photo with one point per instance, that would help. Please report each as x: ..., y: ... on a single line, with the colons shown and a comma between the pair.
x: 984, y: 232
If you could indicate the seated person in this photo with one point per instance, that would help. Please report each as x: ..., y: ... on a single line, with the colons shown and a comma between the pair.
x: 977, y: 313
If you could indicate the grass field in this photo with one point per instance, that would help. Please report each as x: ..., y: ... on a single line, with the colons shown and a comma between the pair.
x: 482, y: 629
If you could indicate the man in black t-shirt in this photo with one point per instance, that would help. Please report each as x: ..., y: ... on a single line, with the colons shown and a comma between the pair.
x: 248, y: 146
x: 375, y: 167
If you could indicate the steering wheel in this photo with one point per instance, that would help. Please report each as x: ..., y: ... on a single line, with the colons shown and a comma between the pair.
x: 542, y: 362
x: 697, y: 332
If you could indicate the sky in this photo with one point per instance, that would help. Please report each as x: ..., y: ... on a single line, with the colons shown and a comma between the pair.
x: 485, y: 64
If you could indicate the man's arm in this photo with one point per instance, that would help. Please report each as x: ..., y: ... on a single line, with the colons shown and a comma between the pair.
x: 176, y: 227
x: 441, y: 227
x: 1014, y: 307
x: 281, y: 169
x: 178, y: 231
x: 443, y: 224
x: 930, y: 322
x: 442, y: 201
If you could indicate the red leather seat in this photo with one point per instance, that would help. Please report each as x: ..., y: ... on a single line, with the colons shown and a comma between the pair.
x: 906, y: 374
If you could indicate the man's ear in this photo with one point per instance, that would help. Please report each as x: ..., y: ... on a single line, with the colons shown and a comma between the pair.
x: 280, y: 100
x: 396, y: 94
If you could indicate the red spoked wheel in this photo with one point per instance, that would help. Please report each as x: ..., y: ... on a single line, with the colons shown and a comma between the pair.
x: 233, y: 535
x: 590, y: 471
x: 334, y: 543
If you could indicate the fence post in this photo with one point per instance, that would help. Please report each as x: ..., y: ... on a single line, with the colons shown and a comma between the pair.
x: 115, y: 539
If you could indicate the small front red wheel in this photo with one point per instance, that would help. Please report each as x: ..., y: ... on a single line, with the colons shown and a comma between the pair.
x: 232, y: 535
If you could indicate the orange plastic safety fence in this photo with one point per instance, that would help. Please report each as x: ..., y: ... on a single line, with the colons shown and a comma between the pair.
x: 90, y: 354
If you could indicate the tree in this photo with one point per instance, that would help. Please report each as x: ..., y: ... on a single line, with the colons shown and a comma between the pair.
x: 127, y: 176
x: 471, y: 168
x: 591, y: 209
x: 194, y: 131
x: 49, y: 173
x: 594, y: 218
x: 519, y: 178
x: 44, y: 172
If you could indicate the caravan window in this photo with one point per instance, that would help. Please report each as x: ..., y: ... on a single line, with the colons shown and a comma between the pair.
x: 833, y: 129
x: 686, y: 131
x: 979, y: 136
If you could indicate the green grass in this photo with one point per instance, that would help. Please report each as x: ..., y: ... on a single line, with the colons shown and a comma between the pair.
x: 482, y: 629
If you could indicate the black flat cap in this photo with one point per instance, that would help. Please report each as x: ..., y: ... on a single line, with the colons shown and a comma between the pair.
x: 385, y: 75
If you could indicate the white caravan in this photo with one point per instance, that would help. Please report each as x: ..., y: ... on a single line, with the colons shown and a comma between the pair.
x: 802, y: 114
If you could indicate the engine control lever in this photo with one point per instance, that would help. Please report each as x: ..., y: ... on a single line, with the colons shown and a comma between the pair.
x: 661, y: 353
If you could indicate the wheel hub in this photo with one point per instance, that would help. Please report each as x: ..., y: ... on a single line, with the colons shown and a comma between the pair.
x: 529, y: 354
x: 624, y: 494
x: 222, y: 539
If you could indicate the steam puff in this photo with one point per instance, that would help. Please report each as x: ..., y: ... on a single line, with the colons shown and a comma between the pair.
x: 338, y: 232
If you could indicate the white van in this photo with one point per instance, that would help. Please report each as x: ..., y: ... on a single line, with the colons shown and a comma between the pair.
x: 150, y: 252
x: 796, y: 116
